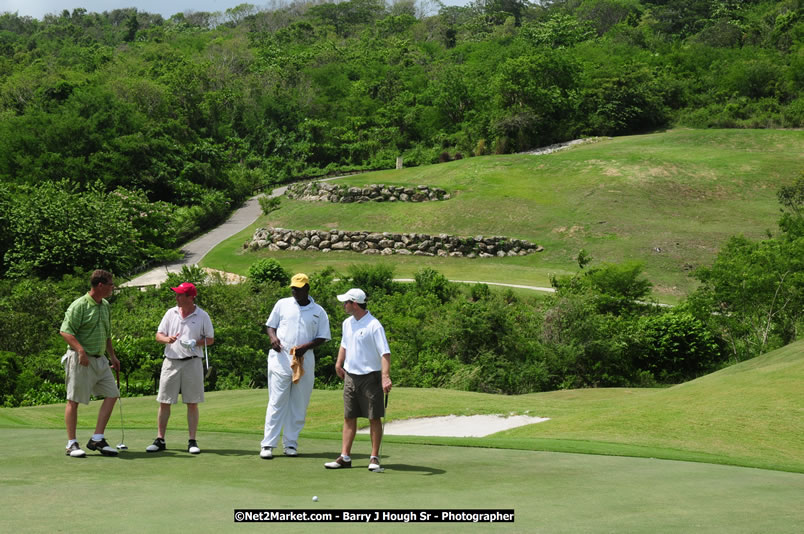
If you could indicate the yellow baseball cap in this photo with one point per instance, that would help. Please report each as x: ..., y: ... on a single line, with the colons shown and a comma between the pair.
x: 299, y: 280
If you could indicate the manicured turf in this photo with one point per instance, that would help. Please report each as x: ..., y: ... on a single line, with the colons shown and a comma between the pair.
x: 669, y: 200
x: 631, y: 478
x: 45, y: 491
x: 748, y: 415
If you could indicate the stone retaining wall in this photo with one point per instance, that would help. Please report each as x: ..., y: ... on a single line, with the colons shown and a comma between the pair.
x: 387, y: 243
x: 328, y: 192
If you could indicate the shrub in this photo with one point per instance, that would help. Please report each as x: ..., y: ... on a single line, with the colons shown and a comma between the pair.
x: 583, y: 348
x: 268, y: 270
x: 189, y: 273
x: 674, y: 347
x: 620, y: 286
x: 430, y: 281
x: 375, y: 280
x: 41, y: 379
x: 269, y: 203
x: 479, y: 292
x: 9, y: 371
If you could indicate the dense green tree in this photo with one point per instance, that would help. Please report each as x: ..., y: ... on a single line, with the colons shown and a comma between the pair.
x: 756, y: 291
x: 791, y: 198
x: 54, y: 228
x: 536, y: 96
x: 672, y: 347
x: 558, y: 31
x: 196, y: 112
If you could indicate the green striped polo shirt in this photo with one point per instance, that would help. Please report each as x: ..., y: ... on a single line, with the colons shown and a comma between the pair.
x: 89, y: 322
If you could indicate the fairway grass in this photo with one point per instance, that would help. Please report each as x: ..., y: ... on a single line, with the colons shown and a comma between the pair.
x: 669, y: 200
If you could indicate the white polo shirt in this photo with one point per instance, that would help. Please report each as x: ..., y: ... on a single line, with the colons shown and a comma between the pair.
x: 190, y: 327
x: 365, y: 343
x: 297, y: 325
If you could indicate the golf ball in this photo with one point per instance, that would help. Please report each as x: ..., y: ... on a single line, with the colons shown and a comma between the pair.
x: 315, y: 498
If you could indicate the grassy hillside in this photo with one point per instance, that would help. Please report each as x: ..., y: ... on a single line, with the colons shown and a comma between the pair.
x: 751, y: 414
x: 667, y: 199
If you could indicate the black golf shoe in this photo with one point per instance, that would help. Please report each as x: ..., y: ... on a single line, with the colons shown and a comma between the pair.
x: 102, y: 447
x: 156, y: 446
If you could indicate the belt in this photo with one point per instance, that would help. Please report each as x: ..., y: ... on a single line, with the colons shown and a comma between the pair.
x: 71, y: 351
x: 190, y: 358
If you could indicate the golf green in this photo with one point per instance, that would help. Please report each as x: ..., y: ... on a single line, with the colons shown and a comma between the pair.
x: 45, y: 491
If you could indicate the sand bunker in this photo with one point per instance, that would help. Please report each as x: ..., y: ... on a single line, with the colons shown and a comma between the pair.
x: 474, y: 426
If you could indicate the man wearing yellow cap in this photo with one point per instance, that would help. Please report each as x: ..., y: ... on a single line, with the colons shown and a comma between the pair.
x: 296, y: 326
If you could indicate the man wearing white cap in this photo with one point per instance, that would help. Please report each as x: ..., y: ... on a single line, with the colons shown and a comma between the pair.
x: 296, y: 326
x: 364, y: 363
x: 184, y: 330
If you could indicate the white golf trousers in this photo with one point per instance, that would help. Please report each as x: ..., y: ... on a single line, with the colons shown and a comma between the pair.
x: 287, y: 402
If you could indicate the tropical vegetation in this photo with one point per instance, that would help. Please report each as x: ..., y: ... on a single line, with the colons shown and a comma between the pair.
x: 123, y: 134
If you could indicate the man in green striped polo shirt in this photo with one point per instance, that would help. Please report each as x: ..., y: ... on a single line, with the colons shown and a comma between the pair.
x: 87, y: 330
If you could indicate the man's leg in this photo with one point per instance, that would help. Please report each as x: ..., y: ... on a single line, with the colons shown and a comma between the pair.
x: 297, y: 405
x: 276, y: 412
x: 162, y: 419
x: 71, y: 418
x: 104, y: 413
x: 349, y: 431
x: 375, y: 428
x: 192, y: 418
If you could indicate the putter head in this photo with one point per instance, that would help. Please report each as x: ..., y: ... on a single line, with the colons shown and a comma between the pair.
x: 122, y: 447
x: 378, y: 470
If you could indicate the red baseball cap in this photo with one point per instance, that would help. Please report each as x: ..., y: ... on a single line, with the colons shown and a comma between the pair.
x: 186, y: 288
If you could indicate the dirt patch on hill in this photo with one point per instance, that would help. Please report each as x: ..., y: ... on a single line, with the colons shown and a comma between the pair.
x: 229, y: 278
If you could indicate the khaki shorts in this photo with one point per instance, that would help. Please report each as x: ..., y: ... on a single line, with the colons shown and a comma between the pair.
x: 363, y: 396
x: 181, y: 376
x: 94, y: 379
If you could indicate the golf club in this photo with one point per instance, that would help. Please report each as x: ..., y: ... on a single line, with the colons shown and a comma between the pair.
x: 381, y: 469
x: 206, y: 356
x: 122, y: 445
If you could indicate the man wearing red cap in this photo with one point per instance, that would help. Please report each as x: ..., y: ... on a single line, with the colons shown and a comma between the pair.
x: 296, y: 326
x: 184, y: 330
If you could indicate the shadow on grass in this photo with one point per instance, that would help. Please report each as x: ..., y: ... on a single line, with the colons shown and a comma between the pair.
x: 137, y: 455
x: 414, y: 469
x: 363, y: 459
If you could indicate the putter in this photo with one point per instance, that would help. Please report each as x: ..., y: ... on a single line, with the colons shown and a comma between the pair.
x: 382, y: 469
x: 122, y: 445
x: 206, y: 357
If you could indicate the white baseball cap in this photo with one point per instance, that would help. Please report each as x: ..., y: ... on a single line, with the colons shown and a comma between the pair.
x: 354, y: 295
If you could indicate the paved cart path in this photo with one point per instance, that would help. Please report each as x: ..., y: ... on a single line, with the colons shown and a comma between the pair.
x: 244, y: 216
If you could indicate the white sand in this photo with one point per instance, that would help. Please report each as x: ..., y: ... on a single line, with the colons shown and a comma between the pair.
x: 475, y: 426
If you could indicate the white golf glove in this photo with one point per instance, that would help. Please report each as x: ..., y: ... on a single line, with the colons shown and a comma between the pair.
x: 188, y: 344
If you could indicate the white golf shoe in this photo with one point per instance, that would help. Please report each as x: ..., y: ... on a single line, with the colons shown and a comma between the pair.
x: 339, y: 463
x: 291, y: 451
x: 192, y: 447
x: 75, y: 451
x: 266, y: 453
